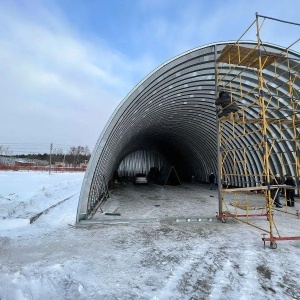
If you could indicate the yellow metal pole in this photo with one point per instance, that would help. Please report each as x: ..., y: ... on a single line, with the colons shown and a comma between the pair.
x: 264, y: 129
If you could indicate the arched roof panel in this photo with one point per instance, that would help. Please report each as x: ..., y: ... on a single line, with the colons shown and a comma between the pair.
x: 172, y: 110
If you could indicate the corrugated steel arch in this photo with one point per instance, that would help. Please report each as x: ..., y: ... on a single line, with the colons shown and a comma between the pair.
x: 172, y: 111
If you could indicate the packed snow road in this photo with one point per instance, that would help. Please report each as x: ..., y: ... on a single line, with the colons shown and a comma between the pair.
x: 159, y: 259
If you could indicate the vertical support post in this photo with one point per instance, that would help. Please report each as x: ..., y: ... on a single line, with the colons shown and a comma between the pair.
x: 219, y: 174
x: 266, y: 169
x: 296, y: 140
x: 50, y: 158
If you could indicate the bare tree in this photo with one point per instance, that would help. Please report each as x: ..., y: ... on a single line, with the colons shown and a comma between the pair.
x: 58, y: 151
x: 57, y: 155
x: 76, y: 152
x: 87, y: 151
x: 4, y: 150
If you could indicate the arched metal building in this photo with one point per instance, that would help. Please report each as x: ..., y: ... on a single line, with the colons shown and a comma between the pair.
x: 172, y: 114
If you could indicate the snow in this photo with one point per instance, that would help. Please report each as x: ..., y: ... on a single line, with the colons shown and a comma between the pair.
x: 159, y: 259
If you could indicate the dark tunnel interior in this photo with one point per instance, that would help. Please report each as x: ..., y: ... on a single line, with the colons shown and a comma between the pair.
x: 170, y: 118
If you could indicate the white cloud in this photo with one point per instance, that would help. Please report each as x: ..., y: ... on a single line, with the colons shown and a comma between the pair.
x: 57, y: 84
x: 49, y: 74
x: 203, y: 22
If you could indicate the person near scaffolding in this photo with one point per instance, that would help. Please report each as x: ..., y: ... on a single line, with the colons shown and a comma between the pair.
x: 275, y: 193
x: 290, y: 193
x: 226, y: 104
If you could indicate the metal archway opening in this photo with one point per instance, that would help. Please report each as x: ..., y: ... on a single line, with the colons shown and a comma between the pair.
x: 171, y: 111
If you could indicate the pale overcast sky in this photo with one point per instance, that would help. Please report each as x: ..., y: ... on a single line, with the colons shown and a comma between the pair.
x: 67, y: 64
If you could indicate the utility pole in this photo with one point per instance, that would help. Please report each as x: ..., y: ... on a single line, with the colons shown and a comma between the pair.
x: 50, y: 159
x: 64, y: 162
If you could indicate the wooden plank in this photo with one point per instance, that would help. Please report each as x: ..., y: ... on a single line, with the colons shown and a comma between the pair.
x: 270, y: 121
x: 259, y: 188
x: 259, y: 120
x: 244, y: 56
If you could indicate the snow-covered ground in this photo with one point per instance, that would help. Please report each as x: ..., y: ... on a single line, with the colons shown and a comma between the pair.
x: 162, y: 259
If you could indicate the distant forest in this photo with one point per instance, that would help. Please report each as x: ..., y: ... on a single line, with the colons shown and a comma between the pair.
x: 75, y: 156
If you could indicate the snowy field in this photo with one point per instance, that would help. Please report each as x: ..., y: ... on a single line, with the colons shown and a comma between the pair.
x: 52, y: 259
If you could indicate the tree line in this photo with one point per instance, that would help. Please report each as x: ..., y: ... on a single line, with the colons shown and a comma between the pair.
x: 75, y: 156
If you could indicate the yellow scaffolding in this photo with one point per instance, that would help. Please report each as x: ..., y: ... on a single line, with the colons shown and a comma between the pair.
x: 263, y: 137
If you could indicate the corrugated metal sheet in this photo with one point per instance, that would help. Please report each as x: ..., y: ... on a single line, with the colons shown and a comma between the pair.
x: 171, y: 112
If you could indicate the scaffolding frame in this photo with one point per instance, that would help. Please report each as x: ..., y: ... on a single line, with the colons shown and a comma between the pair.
x: 263, y: 137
